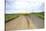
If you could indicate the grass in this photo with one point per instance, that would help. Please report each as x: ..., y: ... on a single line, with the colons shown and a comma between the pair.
x: 9, y: 17
x: 41, y: 15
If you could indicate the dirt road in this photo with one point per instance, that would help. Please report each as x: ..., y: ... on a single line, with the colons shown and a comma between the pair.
x: 24, y: 22
x: 19, y: 23
x: 37, y: 21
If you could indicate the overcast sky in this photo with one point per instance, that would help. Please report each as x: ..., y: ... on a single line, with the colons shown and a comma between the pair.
x: 15, y: 6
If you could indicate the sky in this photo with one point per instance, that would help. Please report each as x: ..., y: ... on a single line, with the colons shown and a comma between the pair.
x: 24, y: 6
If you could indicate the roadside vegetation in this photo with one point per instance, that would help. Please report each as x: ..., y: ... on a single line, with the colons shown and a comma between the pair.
x: 41, y: 15
x: 9, y: 17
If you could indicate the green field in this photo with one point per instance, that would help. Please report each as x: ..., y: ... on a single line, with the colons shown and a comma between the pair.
x: 10, y: 16
x: 41, y: 14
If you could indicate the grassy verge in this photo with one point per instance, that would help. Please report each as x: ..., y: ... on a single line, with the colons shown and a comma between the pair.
x: 41, y: 15
x: 9, y: 17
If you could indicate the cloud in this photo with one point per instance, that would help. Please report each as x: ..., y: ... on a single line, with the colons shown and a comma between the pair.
x: 27, y: 5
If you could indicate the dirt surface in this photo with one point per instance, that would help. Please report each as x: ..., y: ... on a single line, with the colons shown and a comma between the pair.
x: 37, y: 21
x: 19, y: 23
x: 24, y: 22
